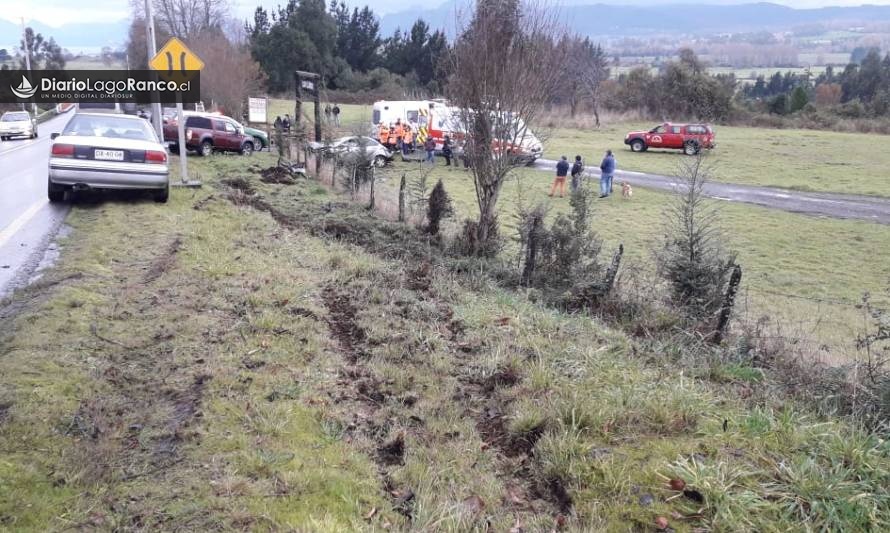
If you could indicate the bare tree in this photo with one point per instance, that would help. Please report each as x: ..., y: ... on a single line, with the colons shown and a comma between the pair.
x: 506, y: 64
x: 588, y: 68
x: 230, y: 74
x: 186, y: 18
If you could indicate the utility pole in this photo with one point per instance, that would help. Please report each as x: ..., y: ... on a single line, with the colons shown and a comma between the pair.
x: 152, y: 50
x: 28, y: 59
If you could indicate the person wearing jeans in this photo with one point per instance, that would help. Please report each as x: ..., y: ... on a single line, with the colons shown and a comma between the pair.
x: 430, y: 147
x: 607, y: 172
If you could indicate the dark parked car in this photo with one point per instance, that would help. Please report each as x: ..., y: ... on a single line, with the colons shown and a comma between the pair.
x: 206, y: 134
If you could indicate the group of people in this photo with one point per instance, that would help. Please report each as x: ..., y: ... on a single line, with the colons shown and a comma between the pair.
x: 283, y: 124
x: 397, y: 136
x: 607, y: 173
x: 332, y: 114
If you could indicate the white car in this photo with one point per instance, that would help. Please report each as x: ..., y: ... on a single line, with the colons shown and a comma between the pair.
x: 105, y: 151
x: 17, y: 124
x: 351, y: 146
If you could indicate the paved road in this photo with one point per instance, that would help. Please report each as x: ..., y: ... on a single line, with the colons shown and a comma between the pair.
x: 810, y: 203
x: 27, y: 221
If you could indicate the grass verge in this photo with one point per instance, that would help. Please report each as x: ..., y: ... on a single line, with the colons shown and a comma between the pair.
x: 256, y: 356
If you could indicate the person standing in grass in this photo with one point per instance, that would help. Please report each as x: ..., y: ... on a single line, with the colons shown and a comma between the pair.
x: 430, y: 147
x: 327, y: 113
x: 407, y: 139
x: 447, y: 151
x: 607, y: 172
x: 562, y: 170
x: 577, y: 171
x: 336, y: 112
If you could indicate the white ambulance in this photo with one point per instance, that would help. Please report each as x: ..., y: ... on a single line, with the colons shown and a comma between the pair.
x: 436, y: 119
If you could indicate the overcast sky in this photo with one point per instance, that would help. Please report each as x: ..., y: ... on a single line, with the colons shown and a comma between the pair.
x: 58, y: 12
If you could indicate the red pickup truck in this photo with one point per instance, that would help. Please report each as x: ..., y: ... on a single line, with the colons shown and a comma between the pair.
x: 690, y: 138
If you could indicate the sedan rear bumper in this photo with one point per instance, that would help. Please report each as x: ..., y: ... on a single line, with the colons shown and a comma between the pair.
x: 104, y: 176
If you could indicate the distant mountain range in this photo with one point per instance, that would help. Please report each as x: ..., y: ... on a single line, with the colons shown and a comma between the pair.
x: 632, y: 17
x: 81, y: 36
x: 604, y: 20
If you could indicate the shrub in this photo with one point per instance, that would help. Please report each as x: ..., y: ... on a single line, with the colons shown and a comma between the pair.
x: 438, y: 208
x: 693, y: 260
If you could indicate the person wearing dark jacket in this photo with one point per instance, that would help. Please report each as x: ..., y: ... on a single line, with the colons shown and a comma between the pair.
x: 577, y: 172
x: 607, y: 172
x: 562, y: 170
x: 447, y: 151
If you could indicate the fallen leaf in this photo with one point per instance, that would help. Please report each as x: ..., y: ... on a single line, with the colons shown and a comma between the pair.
x: 560, y: 521
x: 661, y: 523
x: 502, y: 321
x: 677, y: 484
x: 371, y: 513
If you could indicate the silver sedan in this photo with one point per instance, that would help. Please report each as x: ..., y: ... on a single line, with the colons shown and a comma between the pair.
x: 17, y: 124
x: 101, y: 151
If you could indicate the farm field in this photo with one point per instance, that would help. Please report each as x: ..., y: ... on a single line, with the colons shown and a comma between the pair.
x: 809, y: 280
x: 804, y: 160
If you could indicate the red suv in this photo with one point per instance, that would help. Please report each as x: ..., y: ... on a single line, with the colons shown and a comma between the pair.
x: 206, y: 134
x: 690, y: 138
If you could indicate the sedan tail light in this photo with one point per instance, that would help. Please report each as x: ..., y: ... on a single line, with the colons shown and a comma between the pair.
x: 63, y: 150
x: 155, y: 156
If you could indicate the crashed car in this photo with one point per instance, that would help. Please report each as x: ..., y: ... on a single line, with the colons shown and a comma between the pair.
x: 350, y: 148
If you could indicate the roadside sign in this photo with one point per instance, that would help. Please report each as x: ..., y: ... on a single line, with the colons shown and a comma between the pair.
x: 175, y: 60
x: 256, y: 110
x: 175, y: 57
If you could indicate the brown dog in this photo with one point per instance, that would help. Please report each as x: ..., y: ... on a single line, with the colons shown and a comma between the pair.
x: 626, y: 190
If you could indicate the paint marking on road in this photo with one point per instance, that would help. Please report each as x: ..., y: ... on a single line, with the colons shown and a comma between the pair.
x: 23, y: 219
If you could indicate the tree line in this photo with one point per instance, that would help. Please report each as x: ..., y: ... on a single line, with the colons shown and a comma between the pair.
x: 344, y: 46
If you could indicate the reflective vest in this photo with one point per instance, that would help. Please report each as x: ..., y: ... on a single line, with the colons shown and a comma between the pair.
x: 408, y: 136
x: 392, y: 136
x: 399, y: 131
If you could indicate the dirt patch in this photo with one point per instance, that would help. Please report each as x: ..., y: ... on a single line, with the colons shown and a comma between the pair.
x: 4, y: 411
x: 392, y: 452
x: 342, y: 323
x: 164, y: 261
x: 277, y: 175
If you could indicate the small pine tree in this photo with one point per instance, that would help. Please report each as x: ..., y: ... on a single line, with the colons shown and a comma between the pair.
x: 799, y: 99
x: 438, y: 208
x: 693, y: 259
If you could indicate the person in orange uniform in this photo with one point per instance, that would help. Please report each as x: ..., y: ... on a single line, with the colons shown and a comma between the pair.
x: 383, y: 133
x: 391, y: 141
x: 407, y: 139
x: 399, y: 132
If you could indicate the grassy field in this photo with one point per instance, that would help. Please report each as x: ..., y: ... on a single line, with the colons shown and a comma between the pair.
x: 805, y: 160
x: 206, y: 366
x: 823, y: 259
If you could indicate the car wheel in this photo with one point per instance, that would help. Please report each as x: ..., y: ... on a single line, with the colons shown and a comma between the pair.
x: 691, y: 148
x: 247, y: 148
x: 54, y: 192
x: 258, y: 142
x: 162, y: 195
x: 2, y: 138
x: 637, y: 145
x: 205, y: 149
x: 379, y: 161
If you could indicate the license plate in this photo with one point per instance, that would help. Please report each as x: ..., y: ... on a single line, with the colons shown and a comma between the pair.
x: 110, y: 155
